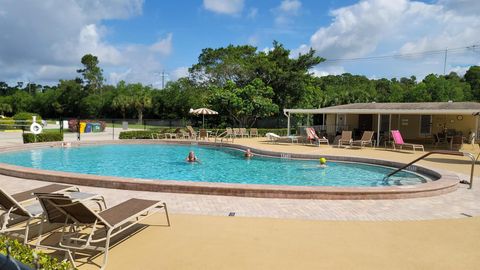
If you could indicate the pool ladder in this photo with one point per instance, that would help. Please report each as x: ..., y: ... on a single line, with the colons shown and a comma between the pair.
x: 439, y: 152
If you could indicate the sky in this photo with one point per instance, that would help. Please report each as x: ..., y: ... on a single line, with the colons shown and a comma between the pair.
x: 137, y: 40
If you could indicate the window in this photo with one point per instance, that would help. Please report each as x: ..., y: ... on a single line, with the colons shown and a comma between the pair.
x: 425, y: 124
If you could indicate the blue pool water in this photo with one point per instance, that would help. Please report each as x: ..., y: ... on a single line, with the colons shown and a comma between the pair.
x: 167, y: 162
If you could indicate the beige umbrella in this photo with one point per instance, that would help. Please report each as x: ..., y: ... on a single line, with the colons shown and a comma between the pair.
x: 203, y: 112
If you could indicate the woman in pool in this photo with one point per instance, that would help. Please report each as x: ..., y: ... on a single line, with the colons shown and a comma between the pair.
x: 191, y: 157
x: 248, y: 153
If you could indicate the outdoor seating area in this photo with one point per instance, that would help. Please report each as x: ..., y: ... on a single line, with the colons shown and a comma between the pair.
x: 82, y: 219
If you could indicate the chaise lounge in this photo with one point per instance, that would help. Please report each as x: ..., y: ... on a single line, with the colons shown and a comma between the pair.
x: 367, y: 139
x: 21, y: 207
x: 398, y: 142
x: 87, y: 228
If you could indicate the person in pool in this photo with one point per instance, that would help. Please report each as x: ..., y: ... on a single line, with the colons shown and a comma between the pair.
x: 248, y: 153
x: 191, y: 157
x: 323, y: 162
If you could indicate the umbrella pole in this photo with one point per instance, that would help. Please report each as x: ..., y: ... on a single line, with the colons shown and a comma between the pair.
x: 203, y: 120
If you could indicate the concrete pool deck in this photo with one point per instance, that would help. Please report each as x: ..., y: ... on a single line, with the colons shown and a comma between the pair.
x: 420, y: 233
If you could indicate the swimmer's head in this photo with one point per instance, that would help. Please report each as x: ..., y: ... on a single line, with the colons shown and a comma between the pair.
x: 323, y: 161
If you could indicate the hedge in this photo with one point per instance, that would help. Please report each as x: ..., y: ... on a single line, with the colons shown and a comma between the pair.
x: 42, y: 137
x: 7, y: 123
x: 137, y: 134
x: 21, y: 117
x: 32, y: 258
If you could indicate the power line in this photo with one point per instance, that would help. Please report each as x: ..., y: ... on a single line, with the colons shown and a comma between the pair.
x: 406, y: 55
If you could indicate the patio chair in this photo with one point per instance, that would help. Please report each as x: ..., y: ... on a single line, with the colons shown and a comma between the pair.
x: 226, y: 135
x: 398, y: 141
x: 312, y: 136
x: 456, y: 141
x: 203, y: 134
x: 24, y: 209
x: 192, y: 132
x: 236, y: 132
x: 346, y: 138
x: 272, y: 137
x: 275, y: 138
x: 183, y: 134
x: 253, y: 132
x: 367, y: 139
x: 438, y: 139
x: 87, y: 228
x: 243, y: 132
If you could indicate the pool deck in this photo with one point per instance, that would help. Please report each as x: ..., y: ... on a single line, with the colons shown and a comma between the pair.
x: 439, y: 232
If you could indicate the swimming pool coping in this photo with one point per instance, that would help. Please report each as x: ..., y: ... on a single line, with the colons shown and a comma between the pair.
x: 445, y: 181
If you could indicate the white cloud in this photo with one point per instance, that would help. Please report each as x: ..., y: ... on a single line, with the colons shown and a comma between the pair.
x: 252, y: 14
x: 290, y: 6
x: 179, y: 72
x: 286, y: 11
x: 48, y: 49
x: 303, y: 49
x: 321, y: 71
x: 385, y: 27
x: 229, y: 7
x: 163, y: 46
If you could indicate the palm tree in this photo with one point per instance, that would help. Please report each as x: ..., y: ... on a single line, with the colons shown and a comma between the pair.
x: 122, y: 103
x: 141, y: 98
x: 5, y: 108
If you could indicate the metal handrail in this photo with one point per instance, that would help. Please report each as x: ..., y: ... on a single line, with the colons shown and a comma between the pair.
x: 441, y: 152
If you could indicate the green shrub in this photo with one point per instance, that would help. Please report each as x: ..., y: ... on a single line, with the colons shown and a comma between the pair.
x: 27, y: 256
x: 137, y: 134
x: 42, y: 137
x: 7, y: 123
x: 23, y: 120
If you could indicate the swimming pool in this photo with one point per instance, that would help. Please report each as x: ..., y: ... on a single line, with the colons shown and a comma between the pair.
x: 218, y: 165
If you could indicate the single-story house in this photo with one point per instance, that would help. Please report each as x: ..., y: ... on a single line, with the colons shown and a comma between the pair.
x: 416, y: 121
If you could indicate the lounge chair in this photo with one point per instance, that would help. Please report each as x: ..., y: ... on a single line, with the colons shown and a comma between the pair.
x: 346, y: 138
x: 456, y: 141
x: 275, y: 138
x: 23, y: 207
x: 203, y: 134
x: 312, y: 136
x: 87, y: 228
x: 226, y: 135
x: 243, y: 132
x: 192, y: 133
x: 367, y: 139
x: 253, y: 132
x: 398, y: 141
x: 236, y: 132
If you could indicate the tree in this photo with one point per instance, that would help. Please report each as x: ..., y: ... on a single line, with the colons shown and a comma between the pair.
x: 122, y: 102
x: 5, y: 108
x: 472, y: 77
x: 141, y: 98
x: 287, y: 76
x: 92, y: 74
x: 69, y: 98
x: 244, y: 104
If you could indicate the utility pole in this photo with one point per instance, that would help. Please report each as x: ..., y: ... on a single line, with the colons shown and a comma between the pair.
x: 163, y: 79
x: 445, y: 62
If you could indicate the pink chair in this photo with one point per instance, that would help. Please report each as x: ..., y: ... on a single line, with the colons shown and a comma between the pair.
x: 398, y: 141
x: 312, y: 136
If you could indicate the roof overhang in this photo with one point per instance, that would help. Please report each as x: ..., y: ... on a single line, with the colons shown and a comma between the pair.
x: 380, y: 111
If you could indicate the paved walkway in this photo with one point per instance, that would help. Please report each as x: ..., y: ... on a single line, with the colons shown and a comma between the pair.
x: 461, y: 203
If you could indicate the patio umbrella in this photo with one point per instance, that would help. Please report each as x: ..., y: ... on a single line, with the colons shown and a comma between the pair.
x: 203, y: 112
